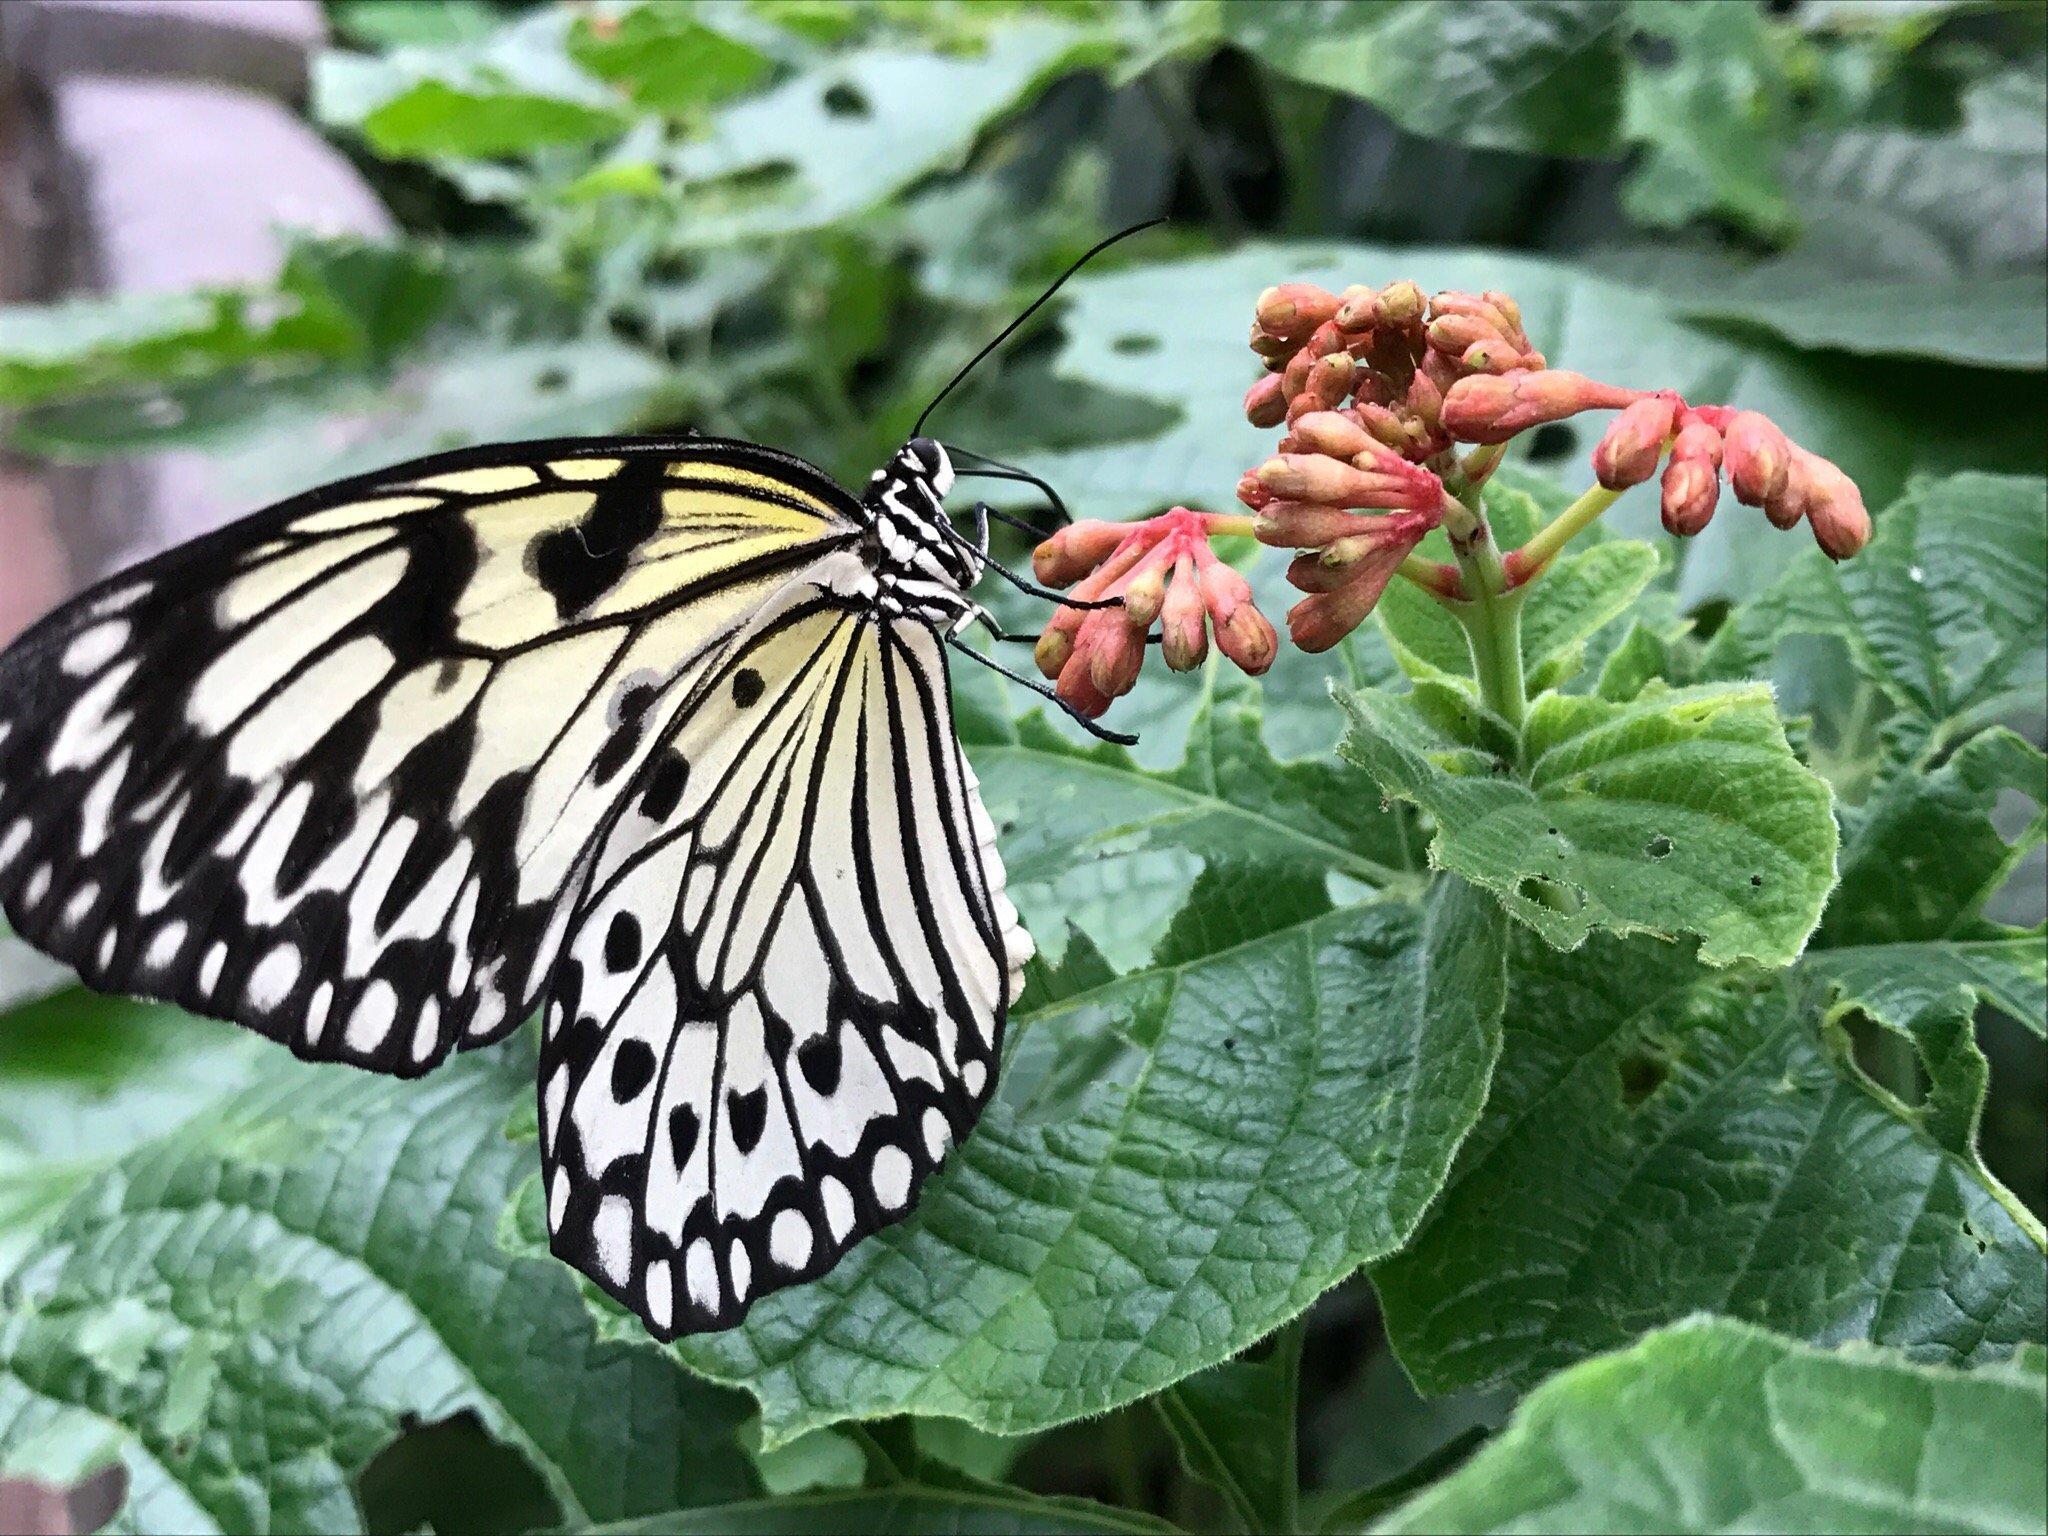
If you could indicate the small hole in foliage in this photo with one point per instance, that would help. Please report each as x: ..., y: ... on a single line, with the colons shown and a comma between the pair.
x: 453, y: 1476
x: 1659, y: 847
x: 1970, y: 1231
x: 844, y: 100
x: 1756, y: 880
x: 1551, y: 894
x: 1642, y: 1073
x: 1551, y: 442
x: 1135, y: 345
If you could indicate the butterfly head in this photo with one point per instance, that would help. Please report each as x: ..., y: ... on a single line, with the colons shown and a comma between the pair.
x: 921, y: 564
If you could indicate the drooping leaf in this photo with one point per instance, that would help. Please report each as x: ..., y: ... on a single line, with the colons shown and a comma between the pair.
x: 1293, y: 1104
x: 1681, y: 812
x: 246, y: 1307
x: 1660, y: 1140
x: 905, y: 1509
x: 838, y: 138
x: 1234, y: 1425
x: 1543, y: 78
x: 1714, y: 1426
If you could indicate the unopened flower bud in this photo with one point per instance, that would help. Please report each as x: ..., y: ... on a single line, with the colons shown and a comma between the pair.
x: 1492, y: 408
x: 1253, y: 491
x: 1453, y: 334
x: 1325, y: 340
x: 1358, y: 309
x: 1078, y: 688
x: 1052, y: 650
x: 1401, y: 302
x: 1143, y: 597
x: 1183, y: 629
x: 1834, y: 507
x: 1385, y: 426
x: 1307, y: 524
x: 1294, y: 378
x: 1333, y: 433
x: 1274, y: 349
x: 1265, y: 403
x: 1492, y: 356
x: 1629, y: 450
x: 1690, y: 491
x: 1758, y: 458
x: 1329, y: 380
x: 1114, y: 650
x: 1294, y: 309
x: 1076, y: 550
x: 1509, y: 310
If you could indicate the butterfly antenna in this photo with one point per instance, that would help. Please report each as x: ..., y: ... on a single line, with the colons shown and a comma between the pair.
x: 1031, y: 309
x: 1101, y: 733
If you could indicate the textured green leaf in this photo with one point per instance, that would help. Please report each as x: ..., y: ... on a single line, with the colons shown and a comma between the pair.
x: 1278, y: 1112
x: 1092, y: 840
x: 666, y: 57
x: 903, y: 1510
x: 249, y: 1307
x: 837, y: 139
x: 1681, y: 812
x: 433, y: 118
x: 1234, y: 1425
x: 1713, y: 1426
x: 1661, y: 1140
x: 1540, y: 76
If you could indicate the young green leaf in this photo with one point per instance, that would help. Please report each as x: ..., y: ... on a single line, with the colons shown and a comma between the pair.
x: 1660, y: 1140
x: 1291, y: 1107
x: 1715, y: 1426
x: 248, y: 1308
x: 903, y: 1509
x: 1234, y: 1425
x: 1681, y: 812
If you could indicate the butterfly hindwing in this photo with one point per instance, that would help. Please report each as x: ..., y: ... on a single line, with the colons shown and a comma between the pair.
x: 333, y: 771
x: 782, y: 998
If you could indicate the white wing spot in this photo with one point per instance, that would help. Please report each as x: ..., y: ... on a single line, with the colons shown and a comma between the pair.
x: 374, y: 1014
x: 316, y: 1011
x: 95, y: 647
x: 163, y: 949
x: 742, y: 1267
x: 274, y: 977
x: 12, y: 844
x: 974, y: 1077
x: 107, y: 947
x: 80, y: 903
x: 558, y: 1199
x: 890, y: 1177
x: 210, y: 967
x: 838, y: 1207
x: 38, y: 886
x: 661, y: 1294
x: 789, y: 1239
x: 937, y: 1134
x: 612, y: 1231
x: 700, y: 1274
x: 427, y: 1032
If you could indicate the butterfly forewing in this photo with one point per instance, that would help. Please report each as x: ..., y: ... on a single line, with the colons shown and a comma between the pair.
x: 782, y: 997
x: 331, y: 771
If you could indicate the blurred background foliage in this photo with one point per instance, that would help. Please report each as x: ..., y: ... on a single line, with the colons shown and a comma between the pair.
x: 791, y: 220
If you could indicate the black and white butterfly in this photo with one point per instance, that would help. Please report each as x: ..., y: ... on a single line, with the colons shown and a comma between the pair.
x: 650, y: 734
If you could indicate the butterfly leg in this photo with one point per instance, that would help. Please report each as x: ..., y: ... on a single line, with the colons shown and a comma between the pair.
x: 1100, y: 732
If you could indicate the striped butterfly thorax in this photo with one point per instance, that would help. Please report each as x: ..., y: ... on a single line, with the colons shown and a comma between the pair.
x: 651, y: 735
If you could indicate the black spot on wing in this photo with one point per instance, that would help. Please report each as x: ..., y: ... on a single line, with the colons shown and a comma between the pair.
x: 746, y: 687
x: 577, y: 565
x: 632, y: 1069
x: 666, y: 782
x: 682, y: 1133
x: 622, y: 943
x: 820, y: 1058
x: 748, y: 1114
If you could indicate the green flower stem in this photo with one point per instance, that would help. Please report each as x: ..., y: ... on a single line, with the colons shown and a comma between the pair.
x: 1493, y: 615
x: 1526, y: 562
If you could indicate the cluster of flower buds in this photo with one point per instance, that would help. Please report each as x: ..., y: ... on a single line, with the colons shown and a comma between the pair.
x: 1764, y: 468
x: 1390, y: 357
x: 1160, y: 569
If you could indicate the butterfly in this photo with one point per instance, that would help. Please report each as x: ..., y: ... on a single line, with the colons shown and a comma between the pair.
x: 650, y: 734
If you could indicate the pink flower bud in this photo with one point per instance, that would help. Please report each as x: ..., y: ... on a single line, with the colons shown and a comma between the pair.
x: 1333, y: 433
x: 1294, y: 377
x: 1144, y: 595
x: 1385, y: 480
x: 1328, y: 381
x: 1385, y: 426
x: 1273, y: 350
x: 1265, y: 403
x: 1248, y: 639
x: 1183, y: 622
x: 1493, y: 355
x: 1076, y: 550
x: 1401, y: 302
x: 1308, y: 524
x: 1834, y: 506
x: 1053, y: 648
x: 1113, y: 649
x: 1252, y: 491
x: 1758, y: 458
x: 1492, y: 408
x: 1692, y: 480
x: 1294, y: 309
x: 1634, y: 442
x: 1358, y: 309
x: 1078, y: 688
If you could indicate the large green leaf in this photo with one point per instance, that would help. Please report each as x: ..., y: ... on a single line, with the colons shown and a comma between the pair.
x: 1680, y: 812
x: 248, y: 1306
x: 1660, y: 1140
x: 1273, y: 1113
x: 1541, y: 76
x: 838, y: 138
x: 1713, y: 1426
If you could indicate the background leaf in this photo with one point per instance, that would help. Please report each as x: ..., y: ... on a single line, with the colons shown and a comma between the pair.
x: 1712, y: 1426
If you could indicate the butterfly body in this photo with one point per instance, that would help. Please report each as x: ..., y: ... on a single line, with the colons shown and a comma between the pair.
x: 651, y: 735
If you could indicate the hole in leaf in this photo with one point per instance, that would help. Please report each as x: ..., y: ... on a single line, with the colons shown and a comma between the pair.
x: 548, y: 380
x: 452, y: 1476
x: 1642, y: 1073
x: 1709, y: 617
x: 1659, y: 847
x: 1553, y: 894
x: 1887, y: 1059
x: 1756, y: 879
x: 1552, y: 441
x: 1970, y: 1231
x: 844, y: 100
x: 1230, y: 1045
x: 1135, y: 345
